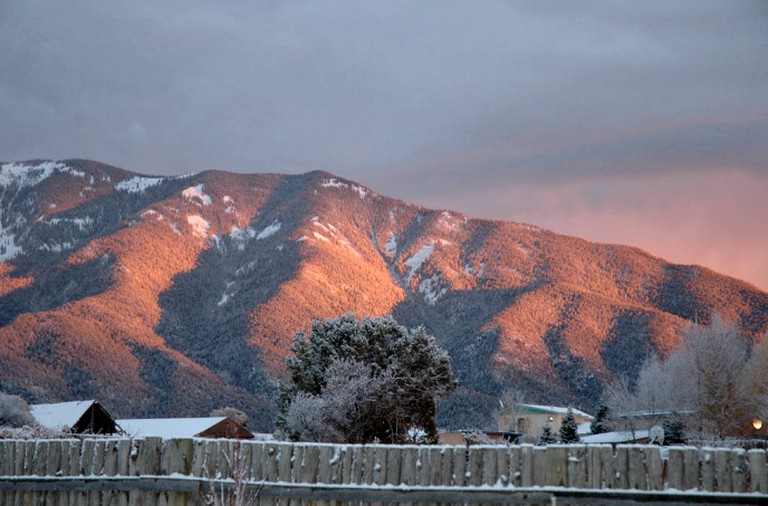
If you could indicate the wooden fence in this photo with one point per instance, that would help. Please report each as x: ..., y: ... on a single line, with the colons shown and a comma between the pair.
x: 182, y: 471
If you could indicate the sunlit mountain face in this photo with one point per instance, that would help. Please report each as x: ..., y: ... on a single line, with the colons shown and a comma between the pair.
x: 178, y: 295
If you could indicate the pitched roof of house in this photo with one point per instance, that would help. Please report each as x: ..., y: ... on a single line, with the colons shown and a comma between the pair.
x: 60, y: 414
x: 168, y: 427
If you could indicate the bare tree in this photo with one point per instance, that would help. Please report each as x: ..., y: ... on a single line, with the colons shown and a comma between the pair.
x: 509, y: 409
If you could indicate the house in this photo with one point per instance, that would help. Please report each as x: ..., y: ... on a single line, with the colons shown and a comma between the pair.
x: 167, y: 428
x: 530, y: 419
x: 78, y: 417
x: 469, y: 437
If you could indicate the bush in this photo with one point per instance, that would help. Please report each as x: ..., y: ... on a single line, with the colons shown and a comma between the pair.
x: 14, y: 412
x: 362, y: 381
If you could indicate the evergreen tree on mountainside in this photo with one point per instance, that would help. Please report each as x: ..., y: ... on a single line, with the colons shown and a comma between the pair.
x: 362, y: 381
x: 569, y: 429
x: 601, y: 423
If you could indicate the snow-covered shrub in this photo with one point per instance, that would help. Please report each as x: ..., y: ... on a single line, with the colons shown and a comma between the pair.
x: 14, y: 411
x: 359, y: 381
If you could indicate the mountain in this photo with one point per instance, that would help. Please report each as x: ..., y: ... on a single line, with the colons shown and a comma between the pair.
x: 177, y: 295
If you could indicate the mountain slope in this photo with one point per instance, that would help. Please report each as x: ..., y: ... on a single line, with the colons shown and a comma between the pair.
x: 181, y: 294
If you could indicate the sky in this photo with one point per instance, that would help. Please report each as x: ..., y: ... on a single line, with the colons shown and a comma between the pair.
x: 641, y: 123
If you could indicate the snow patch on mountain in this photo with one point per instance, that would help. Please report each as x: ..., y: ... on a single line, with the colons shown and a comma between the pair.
x: 196, y: 193
x: 200, y: 225
x: 360, y: 191
x: 419, y: 258
x: 138, y: 184
x: 333, y: 183
x: 56, y: 247
x: 391, y: 247
x: 320, y: 237
x: 227, y: 294
x: 431, y: 289
x: 83, y: 224
x: 8, y: 247
x: 27, y: 175
x: 270, y: 230
x: 152, y: 212
x: 240, y: 237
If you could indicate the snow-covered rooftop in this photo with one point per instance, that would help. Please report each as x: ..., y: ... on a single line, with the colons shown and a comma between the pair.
x: 555, y: 409
x: 60, y: 414
x: 616, y: 437
x: 168, y: 427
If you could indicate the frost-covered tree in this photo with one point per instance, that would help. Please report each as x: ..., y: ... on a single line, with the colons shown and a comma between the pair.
x: 704, y: 374
x: 569, y: 430
x: 14, y: 411
x: 546, y: 437
x: 363, y: 380
x: 601, y: 423
x: 757, y: 381
x: 233, y: 414
x: 707, y: 375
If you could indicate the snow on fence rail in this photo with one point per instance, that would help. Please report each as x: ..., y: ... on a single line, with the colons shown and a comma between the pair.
x: 145, y: 471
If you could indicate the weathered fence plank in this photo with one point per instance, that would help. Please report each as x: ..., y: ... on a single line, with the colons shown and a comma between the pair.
x: 655, y: 467
x: 707, y: 465
x: 758, y: 471
x: 739, y: 468
x: 556, y: 466
x: 722, y: 470
x: 577, y: 466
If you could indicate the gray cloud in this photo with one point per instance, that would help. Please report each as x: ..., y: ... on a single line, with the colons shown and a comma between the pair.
x: 358, y: 87
x: 425, y: 100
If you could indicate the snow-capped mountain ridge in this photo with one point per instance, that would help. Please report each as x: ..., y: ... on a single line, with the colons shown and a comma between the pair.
x: 172, y: 295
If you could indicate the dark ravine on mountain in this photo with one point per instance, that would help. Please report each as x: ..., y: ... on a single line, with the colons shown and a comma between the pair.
x: 176, y: 295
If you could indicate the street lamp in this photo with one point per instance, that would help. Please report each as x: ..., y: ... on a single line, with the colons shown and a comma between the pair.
x: 757, y: 424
